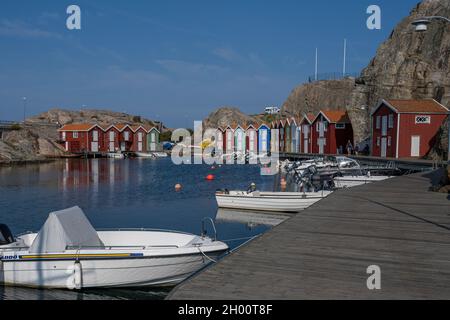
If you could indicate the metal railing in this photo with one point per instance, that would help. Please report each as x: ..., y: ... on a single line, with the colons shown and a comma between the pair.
x: 332, y: 76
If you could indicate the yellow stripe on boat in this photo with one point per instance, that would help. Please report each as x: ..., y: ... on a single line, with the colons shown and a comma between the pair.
x: 74, y: 256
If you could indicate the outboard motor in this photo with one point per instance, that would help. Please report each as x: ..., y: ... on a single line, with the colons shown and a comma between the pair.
x: 6, y: 236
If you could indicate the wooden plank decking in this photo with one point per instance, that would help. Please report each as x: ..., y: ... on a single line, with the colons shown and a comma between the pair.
x: 323, y: 252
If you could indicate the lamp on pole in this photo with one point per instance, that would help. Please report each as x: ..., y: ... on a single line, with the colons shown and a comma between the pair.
x: 421, y: 25
x: 24, y: 99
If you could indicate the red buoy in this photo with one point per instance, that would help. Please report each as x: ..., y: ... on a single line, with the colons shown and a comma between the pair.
x: 210, y: 177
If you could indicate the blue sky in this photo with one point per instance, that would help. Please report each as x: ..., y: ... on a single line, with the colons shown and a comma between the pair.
x: 176, y: 61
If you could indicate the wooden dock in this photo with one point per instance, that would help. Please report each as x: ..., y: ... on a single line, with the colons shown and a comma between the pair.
x: 324, y: 252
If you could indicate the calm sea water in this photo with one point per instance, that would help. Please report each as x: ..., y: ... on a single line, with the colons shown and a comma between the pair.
x: 131, y: 193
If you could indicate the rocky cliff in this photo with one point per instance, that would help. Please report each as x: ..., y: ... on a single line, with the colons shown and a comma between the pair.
x: 37, y: 139
x: 225, y: 116
x: 409, y: 65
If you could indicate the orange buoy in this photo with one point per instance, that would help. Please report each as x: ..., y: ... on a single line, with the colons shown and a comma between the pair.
x: 178, y: 187
x: 210, y: 177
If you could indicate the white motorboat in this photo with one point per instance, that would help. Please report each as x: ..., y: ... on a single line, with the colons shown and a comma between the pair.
x: 354, y: 181
x: 69, y: 253
x: 115, y: 155
x: 269, y: 201
x: 145, y: 155
x: 160, y: 154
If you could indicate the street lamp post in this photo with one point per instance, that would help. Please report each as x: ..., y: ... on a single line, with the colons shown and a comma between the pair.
x: 422, y: 26
x: 24, y: 109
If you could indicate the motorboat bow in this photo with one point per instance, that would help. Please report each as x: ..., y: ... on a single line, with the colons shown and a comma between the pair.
x: 69, y: 253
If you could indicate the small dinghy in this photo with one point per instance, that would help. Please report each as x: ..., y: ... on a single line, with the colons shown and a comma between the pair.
x: 115, y: 155
x: 145, y: 155
x: 160, y: 154
x: 269, y: 201
x: 354, y: 181
x: 69, y: 253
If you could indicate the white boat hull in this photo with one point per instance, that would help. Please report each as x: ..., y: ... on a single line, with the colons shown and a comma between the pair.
x: 145, y: 155
x: 145, y: 271
x: 116, y: 155
x: 161, y: 264
x: 270, y: 201
x: 350, y: 182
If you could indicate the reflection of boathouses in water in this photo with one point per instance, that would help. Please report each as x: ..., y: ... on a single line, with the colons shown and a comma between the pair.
x: 105, y: 176
x: 251, y: 218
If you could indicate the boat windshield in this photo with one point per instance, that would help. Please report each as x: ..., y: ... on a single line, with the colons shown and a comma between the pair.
x: 66, y: 228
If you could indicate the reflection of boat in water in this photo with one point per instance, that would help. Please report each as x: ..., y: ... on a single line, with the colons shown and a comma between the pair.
x: 250, y: 218
x: 69, y: 253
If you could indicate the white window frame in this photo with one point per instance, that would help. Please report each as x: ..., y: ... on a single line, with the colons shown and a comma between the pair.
x: 75, y: 134
x: 126, y: 135
x: 378, y: 122
x: 140, y: 137
x: 112, y: 136
x: 95, y: 136
x: 378, y: 141
x: 422, y: 119
x: 63, y: 136
x: 340, y: 126
x: 391, y: 121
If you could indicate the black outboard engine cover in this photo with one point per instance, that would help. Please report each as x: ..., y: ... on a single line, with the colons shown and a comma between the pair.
x: 6, y: 236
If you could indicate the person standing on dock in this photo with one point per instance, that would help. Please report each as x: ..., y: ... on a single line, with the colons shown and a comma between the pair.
x: 349, y: 148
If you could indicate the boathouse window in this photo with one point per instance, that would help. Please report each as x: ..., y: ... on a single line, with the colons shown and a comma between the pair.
x: 378, y: 122
x: 75, y: 135
x: 378, y: 141
x: 391, y: 121
x: 423, y: 119
x: 389, y: 142
x: 63, y: 136
x: 340, y: 125
x: 140, y: 136
x: 127, y: 135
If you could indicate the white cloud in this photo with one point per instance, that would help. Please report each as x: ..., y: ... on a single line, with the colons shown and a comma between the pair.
x: 227, y: 54
x: 17, y: 28
x: 190, y: 68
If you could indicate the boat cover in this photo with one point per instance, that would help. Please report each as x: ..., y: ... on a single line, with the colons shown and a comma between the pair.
x: 65, y: 228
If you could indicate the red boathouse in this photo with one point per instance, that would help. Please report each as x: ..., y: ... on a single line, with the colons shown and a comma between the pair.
x: 331, y: 131
x: 406, y: 128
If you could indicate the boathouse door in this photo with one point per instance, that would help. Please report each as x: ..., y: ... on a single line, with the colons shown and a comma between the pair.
x: 153, y: 142
x: 252, y: 142
x: 264, y: 141
x: 383, y: 147
x: 305, y: 138
x: 94, y: 144
x: 415, y: 146
x: 111, y: 141
x: 140, y: 139
x: 384, y: 125
x: 321, y: 143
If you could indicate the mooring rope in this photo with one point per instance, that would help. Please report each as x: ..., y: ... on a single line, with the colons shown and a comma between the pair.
x: 209, y: 258
x: 239, y: 239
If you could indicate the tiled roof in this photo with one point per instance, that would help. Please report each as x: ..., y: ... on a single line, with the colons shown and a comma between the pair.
x: 120, y: 126
x: 311, y: 116
x: 417, y: 106
x: 77, y: 127
x: 336, y: 116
